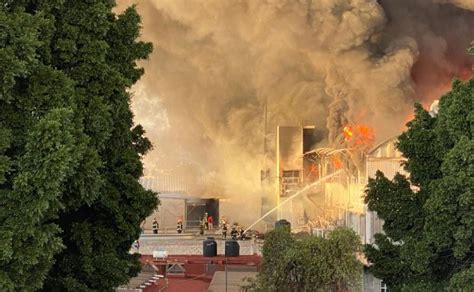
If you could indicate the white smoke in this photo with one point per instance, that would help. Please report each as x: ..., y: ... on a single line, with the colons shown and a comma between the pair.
x: 325, y: 63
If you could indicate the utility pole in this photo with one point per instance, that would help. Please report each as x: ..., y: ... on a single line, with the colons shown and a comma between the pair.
x: 265, y: 117
x: 264, y: 172
x: 278, y: 172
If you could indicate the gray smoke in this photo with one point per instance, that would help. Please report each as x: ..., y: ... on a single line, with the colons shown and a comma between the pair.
x: 323, y: 62
x: 466, y: 4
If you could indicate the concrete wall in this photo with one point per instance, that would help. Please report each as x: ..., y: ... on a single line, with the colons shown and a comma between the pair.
x: 167, y: 214
x: 389, y: 166
x: 290, y: 148
x: 386, y: 158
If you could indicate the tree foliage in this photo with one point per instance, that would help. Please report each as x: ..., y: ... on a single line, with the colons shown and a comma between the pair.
x: 429, y: 216
x: 311, y: 263
x: 70, y: 156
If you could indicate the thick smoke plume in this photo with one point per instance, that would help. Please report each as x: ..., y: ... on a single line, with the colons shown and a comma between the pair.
x: 323, y: 62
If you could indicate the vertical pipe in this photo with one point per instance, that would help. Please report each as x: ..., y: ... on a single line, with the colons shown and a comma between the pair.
x: 225, y: 267
x: 263, y: 174
x: 265, y: 114
x: 278, y: 173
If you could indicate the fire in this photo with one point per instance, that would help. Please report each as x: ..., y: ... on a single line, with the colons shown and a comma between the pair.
x: 359, y: 136
x: 347, y: 131
x: 336, y: 162
x: 312, y: 172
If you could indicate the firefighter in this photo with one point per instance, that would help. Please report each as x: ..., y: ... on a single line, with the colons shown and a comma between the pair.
x: 155, y: 226
x: 204, y: 219
x: 179, y: 227
x: 224, y: 230
x: 233, y: 232
x: 210, y: 223
x: 241, y: 233
x: 202, y: 226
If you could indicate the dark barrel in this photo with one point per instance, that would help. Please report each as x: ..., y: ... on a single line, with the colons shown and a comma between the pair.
x: 209, y: 247
x: 232, y: 248
x: 283, y: 224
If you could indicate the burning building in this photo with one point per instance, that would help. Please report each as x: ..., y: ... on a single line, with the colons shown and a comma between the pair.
x: 325, y: 202
x: 337, y: 200
x: 293, y: 169
x: 386, y: 158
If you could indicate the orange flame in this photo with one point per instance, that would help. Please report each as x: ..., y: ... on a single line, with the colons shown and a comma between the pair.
x: 347, y: 131
x: 313, y: 169
x: 312, y: 172
x: 336, y: 162
x: 359, y: 136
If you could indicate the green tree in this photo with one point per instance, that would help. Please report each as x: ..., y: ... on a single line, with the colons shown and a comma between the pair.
x: 310, y: 264
x: 277, y: 244
x: 429, y: 216
x: 37, y: 139
x: 70, y: 157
